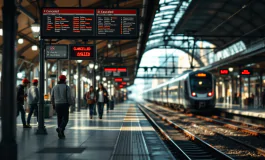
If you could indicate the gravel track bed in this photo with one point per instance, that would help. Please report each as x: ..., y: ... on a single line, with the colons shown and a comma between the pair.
x: 260, y: 130
x: 179, y: 138
x: 204, y: 130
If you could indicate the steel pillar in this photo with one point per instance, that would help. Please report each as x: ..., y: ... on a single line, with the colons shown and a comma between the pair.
x: 8, y: 145
x: 41, y: 128
x: 79, y: 87
x: 261, y: 88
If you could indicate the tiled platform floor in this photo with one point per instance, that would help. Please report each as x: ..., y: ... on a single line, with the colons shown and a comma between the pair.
x: 94, y: 139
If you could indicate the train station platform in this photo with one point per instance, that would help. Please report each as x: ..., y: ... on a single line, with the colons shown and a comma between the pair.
x: 123, y: 134
x: 252, y: 111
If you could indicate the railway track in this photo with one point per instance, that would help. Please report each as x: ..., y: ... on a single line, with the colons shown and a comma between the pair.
x: 248, y: 141
x: 194, y: 148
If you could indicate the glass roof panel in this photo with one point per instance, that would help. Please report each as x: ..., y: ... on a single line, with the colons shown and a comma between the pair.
x: 162, y: 29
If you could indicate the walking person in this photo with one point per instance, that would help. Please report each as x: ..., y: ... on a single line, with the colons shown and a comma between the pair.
x: 91, y: 100
x: 101, y: 98
x: 33, y: 99
x: 61, y: 100
x: 21, y: 96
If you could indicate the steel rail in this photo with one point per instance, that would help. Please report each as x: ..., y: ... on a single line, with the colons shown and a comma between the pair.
x: 182, y: 154
x: 214, y: 151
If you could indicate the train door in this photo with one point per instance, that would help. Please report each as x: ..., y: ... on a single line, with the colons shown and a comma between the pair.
x: 179, y: 93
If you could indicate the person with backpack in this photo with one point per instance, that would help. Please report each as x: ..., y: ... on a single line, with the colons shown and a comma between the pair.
x: 21, y: 96
x: 91, y: 100
x: 61, y: 101
x: 33, y: 99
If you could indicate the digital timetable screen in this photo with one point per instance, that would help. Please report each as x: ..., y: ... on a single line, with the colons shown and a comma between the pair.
x: 116, y: 22
x: 72, y: 23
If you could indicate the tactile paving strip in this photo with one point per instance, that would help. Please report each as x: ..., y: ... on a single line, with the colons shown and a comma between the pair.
x: 131, y: 144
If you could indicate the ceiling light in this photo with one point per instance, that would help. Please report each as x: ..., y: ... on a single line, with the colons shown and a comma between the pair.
x: 79, y: 61
x: 230, y: 69
x: 34, y: 47
x: 20, y: 41
x: 91, y: 65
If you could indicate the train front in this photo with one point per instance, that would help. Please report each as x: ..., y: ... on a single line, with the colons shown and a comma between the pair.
x: 201, y: 90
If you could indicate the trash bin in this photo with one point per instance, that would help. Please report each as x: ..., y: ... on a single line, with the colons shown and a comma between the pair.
x: 48, y: 111
x: 111, y: 103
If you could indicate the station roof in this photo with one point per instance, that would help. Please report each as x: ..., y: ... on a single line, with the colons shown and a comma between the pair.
x: 28, y: 14
x: 223, y: 22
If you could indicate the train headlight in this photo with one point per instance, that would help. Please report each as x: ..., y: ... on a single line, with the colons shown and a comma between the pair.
x: 193, y: 94
x: 210, y: 94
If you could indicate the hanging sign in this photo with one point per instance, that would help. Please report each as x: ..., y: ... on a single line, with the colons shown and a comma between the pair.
x: 224, y: 72
x: 82, y: 51
x: 56, y: 51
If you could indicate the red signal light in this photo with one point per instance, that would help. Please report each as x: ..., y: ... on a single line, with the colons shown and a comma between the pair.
x: 210, y: 94
x: 193, y: 94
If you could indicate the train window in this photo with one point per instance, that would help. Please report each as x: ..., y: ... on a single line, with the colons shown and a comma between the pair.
x: 201, y: 85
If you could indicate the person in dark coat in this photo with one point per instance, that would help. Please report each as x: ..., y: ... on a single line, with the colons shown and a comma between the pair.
x: 101, y: 98
x: 21, y: 96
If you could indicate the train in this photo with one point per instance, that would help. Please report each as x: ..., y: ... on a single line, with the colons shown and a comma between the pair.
x: 192, y: 91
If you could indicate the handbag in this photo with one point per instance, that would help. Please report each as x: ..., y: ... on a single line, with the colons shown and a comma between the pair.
x: 90, y: 101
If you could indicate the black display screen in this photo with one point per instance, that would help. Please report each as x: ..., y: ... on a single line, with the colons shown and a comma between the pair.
x: 82, y: 23
x: 82, y: 52
x: 67, y: 22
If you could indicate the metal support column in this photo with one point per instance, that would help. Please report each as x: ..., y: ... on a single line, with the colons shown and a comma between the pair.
x: 70, y: 83
x: 59, y: 68
x: 240, y: 92
x: 41, y: 128
x: 260, y: 86
x: 69, y: 73
x: 232, y: 90
x: 78, y: 87
x: 46, y: 91
x: 248, y: 86
x: 8, y: 145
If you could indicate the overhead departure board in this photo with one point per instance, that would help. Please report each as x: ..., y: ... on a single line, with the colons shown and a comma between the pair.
x: 67, y: 22
x: 56, y: 51
x: 116, y: 22
x: 83, y: 23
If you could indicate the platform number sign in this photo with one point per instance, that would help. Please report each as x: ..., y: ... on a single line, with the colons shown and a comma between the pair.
x: 56, y: 51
